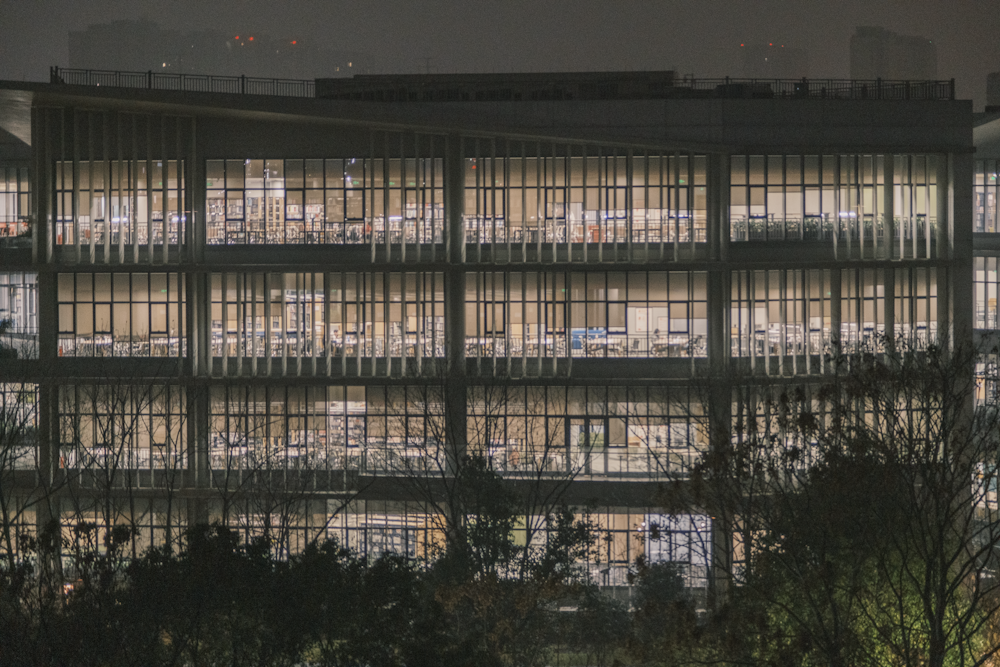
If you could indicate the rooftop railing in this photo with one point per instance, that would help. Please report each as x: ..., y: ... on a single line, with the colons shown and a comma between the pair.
x: 201, y: 83
x: 851, y: 89
x: 729, y: 88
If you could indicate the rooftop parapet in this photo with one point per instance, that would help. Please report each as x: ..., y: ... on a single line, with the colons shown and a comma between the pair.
x: 516, y: 87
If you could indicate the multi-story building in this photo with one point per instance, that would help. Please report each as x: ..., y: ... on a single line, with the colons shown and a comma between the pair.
x: 268, y: 309
x: 880, y: 53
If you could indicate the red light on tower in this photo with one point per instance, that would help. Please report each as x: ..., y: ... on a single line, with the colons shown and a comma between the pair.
x: 294, y: 41
x: 251, y: 39
x: 237, y: 37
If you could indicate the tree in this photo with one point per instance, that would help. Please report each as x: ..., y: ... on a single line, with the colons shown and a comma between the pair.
x: 864, y: 512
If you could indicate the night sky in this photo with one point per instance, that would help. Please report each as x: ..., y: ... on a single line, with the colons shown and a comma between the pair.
x: 700, y: 37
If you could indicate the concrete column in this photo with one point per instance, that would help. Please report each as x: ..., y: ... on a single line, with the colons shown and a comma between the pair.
x: 455, y: 380
x: 961, y: 277
x: 719, y: 351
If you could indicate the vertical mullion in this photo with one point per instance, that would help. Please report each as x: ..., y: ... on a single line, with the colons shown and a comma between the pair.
x: 224, y: 302
x: 283, y: 319
x: 106, y: 163
x: 505, y: 193
x: 327, y: 324
x: 690, y: 201
x: 403, y: 298
x: 240, y: 321
x: 367, y: 194
x: 419, y: 195
x: 555, y: 191
x: 149, y: 191
x: 75, y: 196
x: 253, y: 324
x: 402, y: 198
x: 524, y: 324
x: 663, y: 174
x: 602, y: 197
x: 421, y: 314
x: 361, y: 314
x: 676, y: 201
x: 493, y: 200
x: 583, y: 205
x: 268, y: 328
x: 613, y: 191
x: 539, y: 213
x: 386, y: 200
x: 164, y: 192
x: 90, y: 190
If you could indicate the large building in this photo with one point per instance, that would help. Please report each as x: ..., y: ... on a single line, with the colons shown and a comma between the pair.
x: 294, y: 311
x: 877, y: 53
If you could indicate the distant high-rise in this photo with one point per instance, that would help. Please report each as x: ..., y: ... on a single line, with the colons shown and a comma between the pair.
x: 773, y: 61
x: 143, y: 46
x: 880, y: 53
x: 993, y: 91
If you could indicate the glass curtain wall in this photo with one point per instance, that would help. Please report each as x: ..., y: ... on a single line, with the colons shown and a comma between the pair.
x: 986, y: 285
x: 19, y: 313
x: 610, y: 314
x: 119, y: 203
x: 331, y: 201
x: 842, y: 197
x: 372, y: 429
x: 121, y: 315
x: 15, y: 201
x: 124, y: 424
x: 985, y: 191
x: 523, y: 194
x: 260, y: 317
x: 648, y: 433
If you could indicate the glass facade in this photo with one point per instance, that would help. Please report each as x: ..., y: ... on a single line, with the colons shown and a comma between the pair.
x: 836, y: 197
x: 984, y: 197
x: 617, y: 197
x: 339, y: 201
x: 119, y: 203
x: 108, y: 429
x: 121, y: 315
x: 19, y: 313
x: 15, y: 201
x: 326, y: 316
x: 309, y: 382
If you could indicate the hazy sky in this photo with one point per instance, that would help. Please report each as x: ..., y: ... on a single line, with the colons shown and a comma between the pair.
x: 693, y: 36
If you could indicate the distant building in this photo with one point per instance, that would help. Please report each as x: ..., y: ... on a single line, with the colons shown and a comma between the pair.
x: 880, y: 53
x: 143, y: 46
x: 993, y: 91
x: 773, y: 61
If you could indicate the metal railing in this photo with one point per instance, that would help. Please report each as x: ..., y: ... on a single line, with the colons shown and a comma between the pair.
x: 201, y: 83
x: 856, y: 89
x: 852, y: 89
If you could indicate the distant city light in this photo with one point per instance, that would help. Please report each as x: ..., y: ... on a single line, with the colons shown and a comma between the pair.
x: 251, y: 39
x: 237, y: 36
x: 294, y: 41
